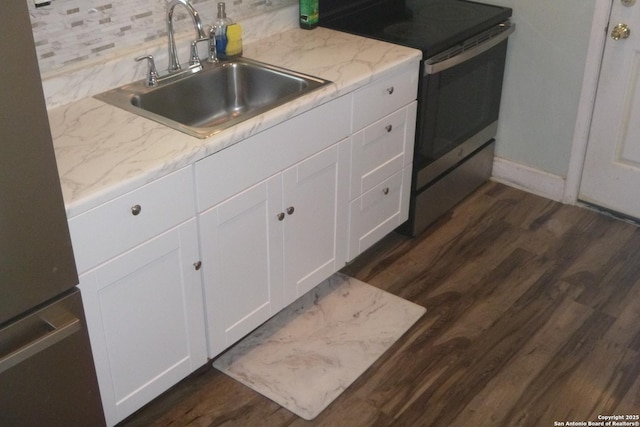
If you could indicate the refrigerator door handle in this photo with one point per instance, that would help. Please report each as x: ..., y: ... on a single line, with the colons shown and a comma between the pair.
x: 59, y: 330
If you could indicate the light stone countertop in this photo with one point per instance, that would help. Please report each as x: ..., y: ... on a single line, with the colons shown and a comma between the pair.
x: 104, y: 152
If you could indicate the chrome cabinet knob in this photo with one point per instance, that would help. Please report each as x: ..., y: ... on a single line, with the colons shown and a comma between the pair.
x: 620, y: 31
x: 136, y: 209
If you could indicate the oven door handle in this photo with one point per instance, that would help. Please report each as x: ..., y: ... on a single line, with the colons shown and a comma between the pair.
x: 439, y: 66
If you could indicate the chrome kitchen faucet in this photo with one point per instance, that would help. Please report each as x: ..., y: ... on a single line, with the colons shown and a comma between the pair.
x: 174, y: 63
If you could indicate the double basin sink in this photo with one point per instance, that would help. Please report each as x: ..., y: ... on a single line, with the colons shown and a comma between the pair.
x: 215, y: 98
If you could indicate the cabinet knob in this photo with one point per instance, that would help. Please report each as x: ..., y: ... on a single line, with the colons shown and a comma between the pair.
x: 280, y: 216
x: 385, y: 190
x: 389, y: 128
x: 197, y: 265
x: 290, y: 210
x: 136, y: 209
x: 390, y: 90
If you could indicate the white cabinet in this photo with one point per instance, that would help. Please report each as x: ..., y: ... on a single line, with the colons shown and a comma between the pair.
x: 144, y: 304
x: 283, y: 231
x: 384, y: 117
x: 270, y: 218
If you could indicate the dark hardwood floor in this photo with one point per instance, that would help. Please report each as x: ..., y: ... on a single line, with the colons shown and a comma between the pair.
x: 533, y: 319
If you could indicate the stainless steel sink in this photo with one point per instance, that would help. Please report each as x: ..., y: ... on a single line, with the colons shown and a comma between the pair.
x: 217, y: 97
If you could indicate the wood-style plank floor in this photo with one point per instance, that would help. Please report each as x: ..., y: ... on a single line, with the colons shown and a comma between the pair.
x: 533, y: 319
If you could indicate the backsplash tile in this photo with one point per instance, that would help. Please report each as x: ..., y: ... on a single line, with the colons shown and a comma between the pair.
x: 68, y: 32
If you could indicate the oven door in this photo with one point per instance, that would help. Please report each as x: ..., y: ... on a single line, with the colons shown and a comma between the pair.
x: 459, y: 103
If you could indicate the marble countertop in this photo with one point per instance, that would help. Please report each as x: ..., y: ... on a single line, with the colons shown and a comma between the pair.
x: 104, y: 152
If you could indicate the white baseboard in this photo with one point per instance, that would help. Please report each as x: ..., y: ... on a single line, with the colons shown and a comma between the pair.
x: 528, y: 179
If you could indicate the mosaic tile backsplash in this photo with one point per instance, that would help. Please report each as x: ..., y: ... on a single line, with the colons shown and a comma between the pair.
x: 69, y: 33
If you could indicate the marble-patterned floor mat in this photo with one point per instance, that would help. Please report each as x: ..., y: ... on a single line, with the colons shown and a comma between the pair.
x: 310, y: 352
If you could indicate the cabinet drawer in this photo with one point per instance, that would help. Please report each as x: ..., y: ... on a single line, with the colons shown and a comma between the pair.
x: 129, y: 220
x: 382, y: 149
x: 378, y: 212
x: 384, y: 96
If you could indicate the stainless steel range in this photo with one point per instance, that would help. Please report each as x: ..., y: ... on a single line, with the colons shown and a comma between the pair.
x: 464, y: 48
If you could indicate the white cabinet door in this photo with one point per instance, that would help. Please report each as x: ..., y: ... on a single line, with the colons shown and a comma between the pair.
x: 145, y: 319
x: 242, y: 262
x: 315, y: 207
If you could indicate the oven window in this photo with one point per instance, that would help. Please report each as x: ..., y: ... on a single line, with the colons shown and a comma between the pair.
x: 459, y: 102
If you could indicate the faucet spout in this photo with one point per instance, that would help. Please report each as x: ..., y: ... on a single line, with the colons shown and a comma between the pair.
x: 174, y: 63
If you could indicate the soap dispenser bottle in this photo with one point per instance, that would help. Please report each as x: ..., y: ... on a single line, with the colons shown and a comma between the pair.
x: 221, y: 24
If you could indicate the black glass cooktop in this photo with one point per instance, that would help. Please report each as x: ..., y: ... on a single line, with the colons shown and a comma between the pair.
x: 429, y: 25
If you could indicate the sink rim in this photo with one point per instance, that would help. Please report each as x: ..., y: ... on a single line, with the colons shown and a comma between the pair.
x: 122, y: 97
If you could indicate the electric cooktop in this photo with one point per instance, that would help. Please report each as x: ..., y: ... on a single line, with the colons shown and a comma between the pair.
x: 429, y: 25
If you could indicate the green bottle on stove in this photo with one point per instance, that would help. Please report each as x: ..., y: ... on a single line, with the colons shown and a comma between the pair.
x: 309, y: 14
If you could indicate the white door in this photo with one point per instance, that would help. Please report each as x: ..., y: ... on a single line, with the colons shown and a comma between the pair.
x: 242, y: 263
x: 145, y: 320
x: 611, y: 175
x: 314, y: 206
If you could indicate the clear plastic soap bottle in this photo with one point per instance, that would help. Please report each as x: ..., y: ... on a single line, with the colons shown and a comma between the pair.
x: 221, y: 24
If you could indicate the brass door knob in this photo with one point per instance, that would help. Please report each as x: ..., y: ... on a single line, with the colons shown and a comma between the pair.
x: 620, y: 31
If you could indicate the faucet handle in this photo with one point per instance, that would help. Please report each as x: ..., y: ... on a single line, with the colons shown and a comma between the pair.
x: 194, y: 58
x: 213, y: 53
x: 152, y: 73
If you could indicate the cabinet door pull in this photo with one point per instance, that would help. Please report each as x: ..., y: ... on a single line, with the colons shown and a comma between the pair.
x: 385, y: 190
x: 197, y: 265
x: 136, y: 209
x: 389, y: 128
x: 390, y: 90
x: 290, y: 210
x: 280, y: 216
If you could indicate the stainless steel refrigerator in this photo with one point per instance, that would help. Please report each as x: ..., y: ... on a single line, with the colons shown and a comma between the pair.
x: 47, y: 375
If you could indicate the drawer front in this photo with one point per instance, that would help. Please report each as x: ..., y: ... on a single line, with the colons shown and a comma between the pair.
x: 384, y: 96
x: 382, y: 149
x: 131, y: 219
x: 378, y: 212
x: 246, y: 163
